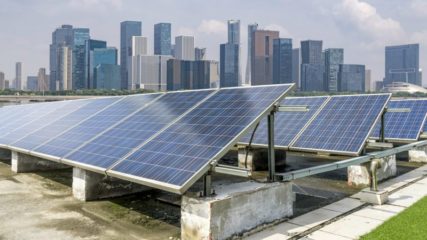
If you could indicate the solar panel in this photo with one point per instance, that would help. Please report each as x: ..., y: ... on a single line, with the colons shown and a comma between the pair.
x: 112, y: 145
x: 46, y: 133
x: 74, y: 137
x: 180, y: 154
x: 343, y: 125
x: 287, y: 125
x: 53, y: 112
x: 403, y: 126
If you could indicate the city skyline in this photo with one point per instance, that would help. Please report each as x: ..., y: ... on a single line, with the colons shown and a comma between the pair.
x: 344, y: 25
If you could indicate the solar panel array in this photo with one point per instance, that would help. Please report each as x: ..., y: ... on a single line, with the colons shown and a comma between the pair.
x: 337, y: 124
x: 165, y: 140
x: 403, y: 126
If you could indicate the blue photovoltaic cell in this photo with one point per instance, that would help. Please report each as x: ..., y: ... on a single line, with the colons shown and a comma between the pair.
x: 343, y: 125
x: 55, y: 112
x: 114, y: 144
x: 101, y: 121
x: 405, y: 126
x: 179, y: 152
x: 287, y: 125
x: 44, y: 134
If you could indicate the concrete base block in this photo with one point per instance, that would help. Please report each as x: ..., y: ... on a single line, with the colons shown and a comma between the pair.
x: 22, y: 163
x: 418, y: 155
x: 358, y: 175
x: 257, y: 159
x: 378, y: 198
x: 5, y: 154
x: 91, y: 186
x: 236, y: 208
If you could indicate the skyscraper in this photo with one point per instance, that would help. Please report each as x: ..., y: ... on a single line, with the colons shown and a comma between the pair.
x: 139, y: 45
x: 184, y: 48
x: 251, y: 28
x: 18, y: 76
x: 162, y: 39
x: 150, y: 72
x: 312, y: 66
x: 230, y: 57
x: 282, y: 60
x: 32, y: 83
x: 42, y: 80
x: 2, y: 81
x: 80, y: 36
x: 200, y: 54
x: 184, y: 74
x: 107, y: 76
x: 128, y: 29
x: 62, y: 36
x: 262, y: 56
x: 296, y: 62
x: 351, y: 78
x: 333, y: 58
x: 64, y: 74
x: 402, y: 64
x: 368, y: 81
x: 100, y: 56
x: 91, y: 44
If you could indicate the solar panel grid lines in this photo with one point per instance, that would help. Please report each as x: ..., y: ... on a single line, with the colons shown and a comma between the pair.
x: 110, y: 147
x: 287, y: 124
x: 88, y: 166
x: 403, y: 126
x: 62, y: 108
x: 195, y: 140
x: 343, y: 125
x: 38, y: 138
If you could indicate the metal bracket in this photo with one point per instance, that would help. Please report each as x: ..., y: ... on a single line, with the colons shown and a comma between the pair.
x: 294, y: 108
x: 207, y: 186
x: 271, y: 152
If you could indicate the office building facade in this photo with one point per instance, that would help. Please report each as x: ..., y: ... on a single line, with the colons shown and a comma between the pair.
x: 199, y: 54
x: 282, y: 60
x: 262, y: 56
x: 183, y: 74
x: 162, y: 39
x: 128, y: 29
x: 251, y: 28
x: 230, y: 57
x: 351, y: 78
x: 91, y: 44
x: 139, y: 45
x: 333, y: 58
x: 61, y: 37
x: 312, y: 66
x: 107, y: 76
x: 150, y: 72
x: 18, y: 76
x: 184, y: 48
x: 100, y: 56
x: 32, y: 83
x: 368, y: 81
x: 80, y: 36
x: 2, y: 81
x: 402, y: 64
x: 296, y: 63
x: 42, y: 80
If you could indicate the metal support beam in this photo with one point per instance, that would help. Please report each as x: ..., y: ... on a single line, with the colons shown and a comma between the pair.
x: 295, y: 108
x: 382, y: 134
x: 375, y: 165
x: 207, y: 185
x: 271, y: 152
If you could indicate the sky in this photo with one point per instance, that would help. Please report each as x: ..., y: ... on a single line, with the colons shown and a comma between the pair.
x: 362, y: 27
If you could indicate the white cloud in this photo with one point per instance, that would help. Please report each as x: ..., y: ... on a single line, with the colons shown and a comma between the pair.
x: 419, y: 7
x: 212, y: 26
x: 91, y: 4
x: 365, y: 18
x: 186, y: 31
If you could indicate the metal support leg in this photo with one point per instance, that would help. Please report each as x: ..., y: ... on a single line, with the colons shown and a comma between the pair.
x: 382, y: 134
x: 271, y: 153
x: 207, y: 185
x: 375, y: 165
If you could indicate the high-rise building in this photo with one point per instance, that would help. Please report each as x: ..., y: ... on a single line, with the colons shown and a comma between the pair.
x: 230, y: 57
x: 18, y: 76
x: 333, y: 58
x: 262, y: 56
x: 64, y: 73
x: 402, y: 64
x: 139, y: 45
x: 351, y: 78
x: 149, y: 72
x: 32, y: 83
x: 199, y: 54
x: 368, y: 81
x: 128, y: 29
x: 312, y: 66
x: 282, y: 60
x: 107, y: 76
x: 2, y: 81
x: 234, y: 31
x: 184, y: 48
x: 296, y: 62
x: 62, y: 36
x: 91, y: 44
x: 162, y: 39
x: 99, y: 56
x: 80, y: 36
x: 42, y: 80
x: 251, y: 28
x: 6, y: 84
x: 379, y: 85
x: 183, y: 74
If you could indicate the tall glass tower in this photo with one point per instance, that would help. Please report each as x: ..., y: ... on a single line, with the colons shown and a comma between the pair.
x: 251, y: 29
x: 162, y: 39
x: 333, y: 58
x: 230, y: 57
x: 282, y: 60
x: 80, y: 36
x: 402, y: 64
x: 128, y: 29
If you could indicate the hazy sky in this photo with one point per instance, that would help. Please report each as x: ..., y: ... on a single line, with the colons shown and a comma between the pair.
x: 361, y: 27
